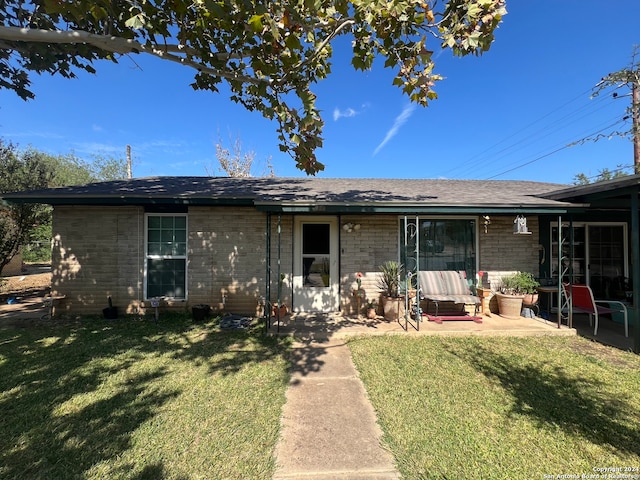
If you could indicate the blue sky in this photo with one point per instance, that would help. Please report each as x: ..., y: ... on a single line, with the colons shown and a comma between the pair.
x: 508, y: 114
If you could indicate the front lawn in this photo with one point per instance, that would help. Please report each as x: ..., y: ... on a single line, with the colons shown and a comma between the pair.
x: 136, y: 399
x: 504, y: 408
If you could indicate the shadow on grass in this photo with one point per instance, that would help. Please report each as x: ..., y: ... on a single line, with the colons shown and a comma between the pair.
x: 313, y: 334
x: 554, y: 395
x: 44, y: 368
x: 153, y: 472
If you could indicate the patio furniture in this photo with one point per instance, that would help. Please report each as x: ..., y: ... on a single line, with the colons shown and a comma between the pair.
x: 581, y: 300
x: 549, y: 291
x: 442, y: 286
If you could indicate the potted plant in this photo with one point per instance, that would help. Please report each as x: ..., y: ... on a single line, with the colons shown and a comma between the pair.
x: 512, y: 292
x: 389, y: 283
x: 359, y: 293
x: 279, y: 310
x: 371, y: 306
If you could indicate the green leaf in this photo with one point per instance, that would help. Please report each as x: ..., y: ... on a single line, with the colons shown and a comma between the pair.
x: 255, y: 22
x: 292, y: 42
x: 358, y: 63
x: 136, y: 22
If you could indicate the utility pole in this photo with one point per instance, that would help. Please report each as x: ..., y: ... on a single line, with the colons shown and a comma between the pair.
x: 635, y: 114
x: 129, y: 167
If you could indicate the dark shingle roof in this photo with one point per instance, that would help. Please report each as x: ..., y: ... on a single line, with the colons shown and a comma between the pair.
x: 617, y: 186
x: 272, y: 192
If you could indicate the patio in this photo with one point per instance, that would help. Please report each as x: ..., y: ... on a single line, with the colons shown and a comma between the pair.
x: 315, y: 326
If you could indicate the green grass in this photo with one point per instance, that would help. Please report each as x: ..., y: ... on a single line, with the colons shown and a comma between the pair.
x: 502, y: 408
x: 135, y: 399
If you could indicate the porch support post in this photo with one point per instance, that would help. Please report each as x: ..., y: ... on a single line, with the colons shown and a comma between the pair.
x: 560, y: 272
x: 417, y: 310
x: 267, y: 287
x: 635, y: 265
x: 279, y: 270
x: 407, y: 273
x: 413, y: 235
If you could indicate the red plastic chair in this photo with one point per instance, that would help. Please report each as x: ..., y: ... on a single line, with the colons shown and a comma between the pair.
x: 581, y: 301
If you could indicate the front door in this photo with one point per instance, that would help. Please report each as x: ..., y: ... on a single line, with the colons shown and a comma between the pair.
x: 315, y: 267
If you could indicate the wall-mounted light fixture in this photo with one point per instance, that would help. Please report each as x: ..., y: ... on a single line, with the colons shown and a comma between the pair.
x: 350, y: 227
x: 486, y: 221
x: 520, y: 226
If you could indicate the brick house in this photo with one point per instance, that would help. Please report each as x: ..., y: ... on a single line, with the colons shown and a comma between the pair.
x: 227, y: 242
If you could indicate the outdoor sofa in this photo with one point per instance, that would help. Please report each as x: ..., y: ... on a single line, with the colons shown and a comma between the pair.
x: 438, y: 287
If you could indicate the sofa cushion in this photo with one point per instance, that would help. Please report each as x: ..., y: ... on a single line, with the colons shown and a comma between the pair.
x: 466, y: 299
x: 431, y: 283
x: 454, y: 284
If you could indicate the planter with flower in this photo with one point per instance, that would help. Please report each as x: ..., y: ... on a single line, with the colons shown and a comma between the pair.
x: 279, y: 310
x: 512, y: 292
x: 359, y: 293
x: 483, y: 290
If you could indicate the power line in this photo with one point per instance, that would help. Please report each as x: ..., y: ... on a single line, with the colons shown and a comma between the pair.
x: 614, y: 171
x: 527, y: 163
x: 552, y: 152
x: 561, y: 107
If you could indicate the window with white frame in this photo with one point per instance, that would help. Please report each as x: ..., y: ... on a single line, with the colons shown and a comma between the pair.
x: 166, y: 256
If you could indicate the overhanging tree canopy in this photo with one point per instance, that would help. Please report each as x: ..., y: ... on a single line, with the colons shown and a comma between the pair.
x: 269, y: 52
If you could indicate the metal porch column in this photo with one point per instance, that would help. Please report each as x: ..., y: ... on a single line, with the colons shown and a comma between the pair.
x: 267, y: 288
x: 635, y: 264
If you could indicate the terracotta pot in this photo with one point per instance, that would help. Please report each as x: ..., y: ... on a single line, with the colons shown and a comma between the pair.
x: 530, y: 299
x: 393, y: 308
x: 371, y: 313
x: 282, y: 308
x: 509, y: 306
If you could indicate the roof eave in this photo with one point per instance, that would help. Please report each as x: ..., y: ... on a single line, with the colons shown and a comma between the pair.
x: 608, y: 187
x: 128, y: 200
x: 404, y: 208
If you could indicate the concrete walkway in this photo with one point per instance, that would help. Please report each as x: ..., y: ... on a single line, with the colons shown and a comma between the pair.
x: 329, y: 428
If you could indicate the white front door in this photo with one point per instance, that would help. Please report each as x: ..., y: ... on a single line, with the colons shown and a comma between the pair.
x: 315, y: 266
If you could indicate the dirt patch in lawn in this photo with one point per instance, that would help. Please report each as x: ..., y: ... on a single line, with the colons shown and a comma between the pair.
x: 603, y: 353
x: 20, y: 296
x: 34, y: 282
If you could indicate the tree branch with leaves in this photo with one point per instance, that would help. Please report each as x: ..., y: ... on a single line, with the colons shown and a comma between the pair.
x: 20, y: 171
x: 627, y: 77
x: 268, y: 52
